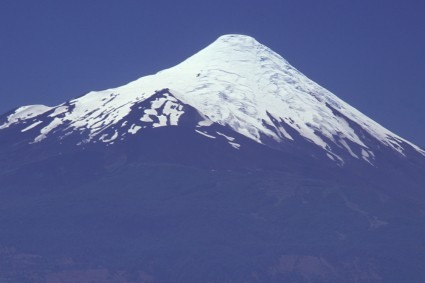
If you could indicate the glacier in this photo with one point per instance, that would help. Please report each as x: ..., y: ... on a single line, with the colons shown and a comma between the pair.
x: 236, y: 82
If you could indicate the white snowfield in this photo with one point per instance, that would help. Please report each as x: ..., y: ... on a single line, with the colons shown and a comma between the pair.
x: 236, y: 82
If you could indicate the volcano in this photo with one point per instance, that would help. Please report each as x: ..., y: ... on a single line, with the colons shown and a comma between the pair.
x: 232, y: 166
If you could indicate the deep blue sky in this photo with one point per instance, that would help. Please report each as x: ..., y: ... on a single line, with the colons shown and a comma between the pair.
x: 369, y: 53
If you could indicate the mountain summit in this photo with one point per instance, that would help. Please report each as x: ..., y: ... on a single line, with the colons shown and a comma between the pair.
x: 232, y: 166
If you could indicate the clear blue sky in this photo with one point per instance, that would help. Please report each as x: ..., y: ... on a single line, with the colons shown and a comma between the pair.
x: 369, y: 53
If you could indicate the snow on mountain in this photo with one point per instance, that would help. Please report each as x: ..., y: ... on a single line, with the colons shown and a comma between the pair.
x: 235, y: 82
x: 24, y: 113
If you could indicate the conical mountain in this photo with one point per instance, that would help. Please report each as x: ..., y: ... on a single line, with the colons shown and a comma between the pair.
x: 232, y: 166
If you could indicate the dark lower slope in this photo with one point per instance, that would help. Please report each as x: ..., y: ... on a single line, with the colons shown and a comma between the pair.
x: 162, y: 209
x: 175, y: 223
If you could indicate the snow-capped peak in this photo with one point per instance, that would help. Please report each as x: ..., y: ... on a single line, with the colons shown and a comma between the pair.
x: 239, y: 83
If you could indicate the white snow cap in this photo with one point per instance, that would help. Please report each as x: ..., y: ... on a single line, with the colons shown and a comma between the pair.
x: 242, y: 84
